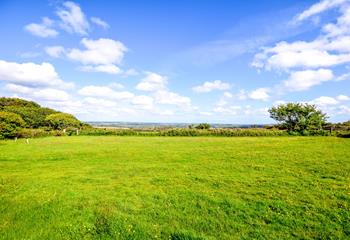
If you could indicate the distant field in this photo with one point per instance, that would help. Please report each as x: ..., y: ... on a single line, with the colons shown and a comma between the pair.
x: 175, y: 188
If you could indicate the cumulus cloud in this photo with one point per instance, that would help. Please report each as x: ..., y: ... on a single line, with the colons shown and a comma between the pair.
x: 55, y: 51
x: 157, y: 85
x: 101, y: 55
x: 311, y: 63
x: 99, y: 22
x: 73, y: 19
x: 111, y: 69
x: 105, y: 92
x: 210, y: 86
x: 303, y: 54
x: 329, y: 101
x: 303, y: 80
x: 31, y: 74
x: 103, y: 51
x: 143, y: 102
x: 46, y: 94
x: 343, y: 98
x: 99, y: 102
x: 259, y: 94
x: 172, y: 98
x: 43, y: 29
x: 152, y: 82
x: 230, y: 110
x: 323, y: 101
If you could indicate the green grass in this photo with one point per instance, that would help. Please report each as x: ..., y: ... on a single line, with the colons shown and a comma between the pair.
x: 175, y: 188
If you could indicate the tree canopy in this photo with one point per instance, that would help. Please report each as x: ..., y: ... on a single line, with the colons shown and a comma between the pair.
x: 18, y: 113
x: 62, y: 120
x: 298, y: 117
x: 10, y: 123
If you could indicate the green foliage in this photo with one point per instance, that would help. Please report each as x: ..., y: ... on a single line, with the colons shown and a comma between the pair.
x: 297, y: 117
x: 175, y: 188
x: 203, y: 126
x: 38, y: 132
x: 4, y: 102
x: 184, y: 132
x: 10, y: 123
x: 32, y: 113
x: 62, y: 121
x: 34, y: 117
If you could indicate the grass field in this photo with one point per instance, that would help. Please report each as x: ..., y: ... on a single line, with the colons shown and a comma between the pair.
x: 175, y: 188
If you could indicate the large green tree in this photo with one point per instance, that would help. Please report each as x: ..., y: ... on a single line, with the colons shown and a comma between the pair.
x: 10, y: 123
x: 62, y: 121
x: 298, y: 117
x: 32, y: 113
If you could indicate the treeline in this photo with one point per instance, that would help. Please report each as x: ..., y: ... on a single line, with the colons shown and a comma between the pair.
x: 18, y: 116
x: 25, y: 119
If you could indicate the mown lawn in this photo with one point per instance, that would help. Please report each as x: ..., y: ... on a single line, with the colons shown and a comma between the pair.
x: 175, y: 188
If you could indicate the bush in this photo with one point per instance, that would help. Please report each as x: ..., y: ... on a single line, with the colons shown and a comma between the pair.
x: 62, y: 121
x: 184, y: 132
x: 203, y: 126
x: 10, y: 123
x: 297, y: 117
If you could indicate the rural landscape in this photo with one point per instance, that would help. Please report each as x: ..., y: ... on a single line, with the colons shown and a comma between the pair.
x: 95, y: 145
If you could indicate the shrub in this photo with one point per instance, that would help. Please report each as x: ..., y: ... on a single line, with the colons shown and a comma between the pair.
x: 10, y: 123
x: 203, y: 126
x: 297, y: 117
x: 62, y: 121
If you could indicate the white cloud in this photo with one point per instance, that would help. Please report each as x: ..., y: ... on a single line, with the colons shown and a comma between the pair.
x: 324, y: 101
x: 157, y: 84
x: 210, y: 86
x: 31, y: 74
x: 152, y: 82
x: 98, y: 102
x: 143, y: 102
x: 302, y: 54
x: 50, y: 94
x: 343, y: 110
x: 46, y: 94
x: 103, y: 51
x: 105, y: 92
x: 130, y: 72
x: 259, y: 94
x: 343, y: 98
x: 171, y: 98
x: 111, y: 69
x: 73, y: 19
x: 230, y: 110
x: 43, y: 29
x: 310, y: 63
x: 55, y: 51
x: 115, y: 85
x: 99, y: 22
x: 318, y: 8
x: 303, y: 80
x: 279, y: 102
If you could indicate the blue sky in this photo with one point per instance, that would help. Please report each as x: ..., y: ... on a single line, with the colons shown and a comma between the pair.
x: 177, y: 61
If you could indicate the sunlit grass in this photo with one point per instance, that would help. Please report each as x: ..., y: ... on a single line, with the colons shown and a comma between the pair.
x: 175, y: 188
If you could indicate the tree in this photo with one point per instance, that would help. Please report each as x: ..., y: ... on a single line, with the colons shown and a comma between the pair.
x: 298, y: 117
x: 62, y: 121
x: 10, y: 123
x: 34, y: 117
x: 32, y: 113
x: 203, y: 126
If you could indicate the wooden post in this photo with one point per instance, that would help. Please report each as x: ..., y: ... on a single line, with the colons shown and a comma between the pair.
x: 27, y: 140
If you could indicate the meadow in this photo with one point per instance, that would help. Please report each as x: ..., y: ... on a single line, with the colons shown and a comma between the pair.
x: 113, y: 187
